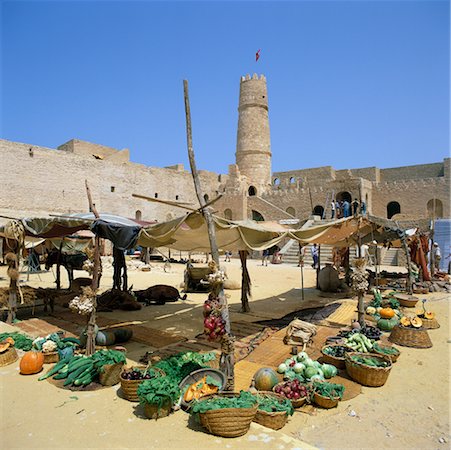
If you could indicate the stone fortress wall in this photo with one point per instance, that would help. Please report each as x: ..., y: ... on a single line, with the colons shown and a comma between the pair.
x: 38, y: 180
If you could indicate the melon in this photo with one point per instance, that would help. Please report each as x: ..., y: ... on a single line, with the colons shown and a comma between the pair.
x: 265, y: 379
x: 309, y: 372
x: 387, y: 324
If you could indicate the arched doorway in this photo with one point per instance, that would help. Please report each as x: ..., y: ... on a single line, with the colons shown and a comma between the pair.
x: 228, y: 214
x: 138, y: 215
x: 291, y: 211
x: 318, y: 210
x: 392, y: 209
x: 257, y: 216
x: 276, y: 182
x: 252, y: 191
x: 344, y: 195
x: 435, y: 208
x: 206, y: 198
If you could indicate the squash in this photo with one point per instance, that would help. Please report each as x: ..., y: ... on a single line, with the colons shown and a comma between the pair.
x: 10, y: 340
x: 429, y: 315
x: 387, y: 313
x: 31, y: 363
x: 387, y: 324
x: 416, y: 322
x: 371, y: 310
x: 4, y: 346
x: 265, y: 379
x: 405, y: 321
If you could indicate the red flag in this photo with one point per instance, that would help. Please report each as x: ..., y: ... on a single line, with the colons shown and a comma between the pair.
x: 257, y: 55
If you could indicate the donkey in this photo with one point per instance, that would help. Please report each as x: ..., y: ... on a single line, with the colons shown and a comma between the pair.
x: 70, y: 262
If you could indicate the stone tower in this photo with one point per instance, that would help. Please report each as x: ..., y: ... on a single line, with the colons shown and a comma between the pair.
x: 253, y: 146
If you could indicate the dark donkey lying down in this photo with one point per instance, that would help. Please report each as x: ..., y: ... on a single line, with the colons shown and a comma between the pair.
x: 160, y: 294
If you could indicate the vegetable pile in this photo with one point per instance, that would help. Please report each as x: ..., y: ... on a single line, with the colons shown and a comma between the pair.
x: 292, y: 390
x: 139, y: 374
x: 370, y: 332
x: 329, y: 390
x: 157, y: 391
x: 359, y: 343
x: 205, y: 386
x: 385, y: 350
x: 370, y: 361
x: 82, y: 370
x: 271, y: 404
x: 179, y: 366
x: 21, y: 341
x: 338, y: 351
x: 303, y: 368
x: 244, y: 400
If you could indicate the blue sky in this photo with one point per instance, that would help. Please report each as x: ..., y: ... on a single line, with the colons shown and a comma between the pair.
x: 350, y: 84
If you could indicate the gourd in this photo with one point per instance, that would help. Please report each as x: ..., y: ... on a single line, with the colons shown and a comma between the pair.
x: 31, y: 362
x: 371, y: 310
x: 329, y: 370
x: 405, y: 321
x: 416, y: 322
x: 386, y: 313
x: 4, y: 346
x: 265, y: 379
x: 387, y: 324
x: 429, y: 315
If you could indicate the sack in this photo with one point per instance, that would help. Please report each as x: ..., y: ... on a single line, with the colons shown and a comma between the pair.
x: 299, y: 332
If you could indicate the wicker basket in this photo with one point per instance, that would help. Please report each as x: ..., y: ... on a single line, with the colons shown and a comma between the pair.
x: 367, y: 375
x: 227, y: 422
x: 410, y: 337
x: 325, y: 402
x: 339, y: 363
x: 51, y: 357
x: 111, y: 374
x: 130, y: 387
x: 275, y: 420
x: 393, y: 358
x: 430, y: 324
x: 296, y: 403
x: 408, y: 301
x: 153, y: 411
x: 8, y: 357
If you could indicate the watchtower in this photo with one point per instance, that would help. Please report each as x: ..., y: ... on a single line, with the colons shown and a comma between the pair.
x: 253, y: 146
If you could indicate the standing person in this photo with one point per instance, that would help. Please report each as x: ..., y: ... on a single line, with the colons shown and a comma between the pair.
x: 265, y: 256
x: 436, y: 256
x: 338, y: 209
x: 363, y: 208
x: 227, y: 256
x: 346, y: 209
x: 355, y: 207
x: 314, y: 252
x: 332, y: 209
x: 301, y: 255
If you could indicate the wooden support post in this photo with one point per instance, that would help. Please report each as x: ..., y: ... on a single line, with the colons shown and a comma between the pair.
x: 58, y: 266
x: 245, y: 282
x: 227, y: 345
x: 91, y: 338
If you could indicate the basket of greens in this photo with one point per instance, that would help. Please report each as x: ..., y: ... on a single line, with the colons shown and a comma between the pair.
x: 368, y: 369
x: 327, y: 395
x: 273, y: 410
x: 132, y: 377
x: 387, y: 350
x: 158, y: 396
x: 228, y: 414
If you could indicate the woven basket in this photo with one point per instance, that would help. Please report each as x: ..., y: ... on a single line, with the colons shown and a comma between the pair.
x: 408, y: 301
x: 296, y: 403
x: 111, y: 374
x: 430, y: 324
x: 367, y: 375
x: 325, y: 402
x: 130, y: 387
x: 339, y: 363
x: 275, y: 420
x: 8, y: 357
x: 227, y: 422
x: 393, y: 358
x: 51, y: 357
x: 153, y: 411
x: 410, y: 337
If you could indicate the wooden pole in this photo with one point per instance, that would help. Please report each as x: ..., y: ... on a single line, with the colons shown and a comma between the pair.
x: 227, y: 344
x: 91, y: 338
x: 245, y: 282
x: 58, y: 266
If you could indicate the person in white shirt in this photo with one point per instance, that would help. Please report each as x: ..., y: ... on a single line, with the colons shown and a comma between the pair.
x: 436, y: 256
x: 332, y: 208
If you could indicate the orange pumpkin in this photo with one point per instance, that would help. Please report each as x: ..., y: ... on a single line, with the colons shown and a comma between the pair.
x: 31, y: 362
x: 429, y: 315
x: 405, y: 321
x: 416, y: 322
x: 387, y: 313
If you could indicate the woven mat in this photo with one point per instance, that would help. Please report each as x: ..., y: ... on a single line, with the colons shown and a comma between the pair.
x: 344, y: 314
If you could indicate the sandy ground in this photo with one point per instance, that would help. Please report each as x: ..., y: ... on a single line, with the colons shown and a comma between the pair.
x: 410, y: 411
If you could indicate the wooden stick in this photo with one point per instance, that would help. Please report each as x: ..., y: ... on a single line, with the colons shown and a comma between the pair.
x: 245, y: 282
